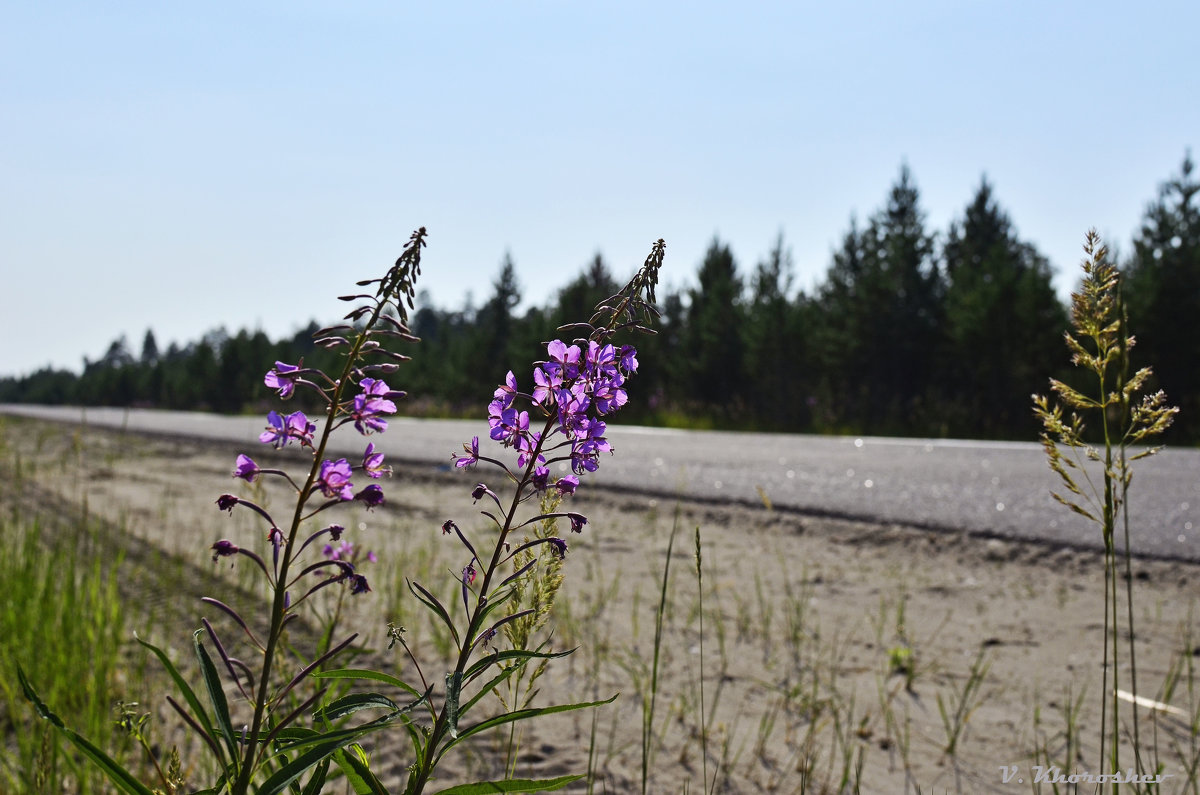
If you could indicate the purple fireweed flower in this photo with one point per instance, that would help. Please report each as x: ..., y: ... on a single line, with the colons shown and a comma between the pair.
x: 578, y: 520
x: 371, y: 496
x: 224, y: 548
x: 540, y: 479
x: 246, y: 469
x: 447, y: 526
x: 629, y: 362
x: 343, y: 551
x: 370, y: 403
x: 335, y: 531
x: 510, y: 427
x: 507, y: 391
x: 280, y: 378
x: 468, y: 574
x: 358, y: 584
x: 472, y: 454
x: 373, y: 462
x: 527, y: 444
x: 280, y: 430
x: 601, y: 360
x: 226, y: 502
x: 567, y: 485
x: 608, y: 395
x: 334, y: 479
x: 558, y: 547
x: 564, y: 359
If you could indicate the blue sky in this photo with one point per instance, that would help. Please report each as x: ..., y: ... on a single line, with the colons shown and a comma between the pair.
x: 181, y: 167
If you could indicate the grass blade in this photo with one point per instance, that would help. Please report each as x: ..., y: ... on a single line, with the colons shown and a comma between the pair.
x: 116, y: 773
x: 511, y: 785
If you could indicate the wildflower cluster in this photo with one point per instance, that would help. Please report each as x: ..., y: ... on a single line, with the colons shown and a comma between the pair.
x: 562, y: 421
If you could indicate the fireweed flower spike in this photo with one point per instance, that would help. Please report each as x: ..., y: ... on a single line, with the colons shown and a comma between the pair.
x: 579, y: 382
x: 350, y: 396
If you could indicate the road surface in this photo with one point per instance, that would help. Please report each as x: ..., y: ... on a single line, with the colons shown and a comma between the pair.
x: 990, y: 488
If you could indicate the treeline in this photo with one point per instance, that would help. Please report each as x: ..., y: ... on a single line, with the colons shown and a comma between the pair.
x: 911, y: 332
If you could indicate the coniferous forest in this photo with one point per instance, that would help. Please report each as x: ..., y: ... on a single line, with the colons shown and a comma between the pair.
x: 911, y: 331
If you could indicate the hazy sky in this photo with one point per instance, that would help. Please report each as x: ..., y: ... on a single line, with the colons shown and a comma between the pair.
x: 183, y: 166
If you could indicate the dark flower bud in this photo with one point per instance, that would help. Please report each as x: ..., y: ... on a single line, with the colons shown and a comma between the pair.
x: 558, y: 547
x: 447, y: 526
x: 371, y: 496
x: 224, y: 548
x: 578, y: 520
x: 335, y: 531
x: 226, y: 502
x: 358, y: 584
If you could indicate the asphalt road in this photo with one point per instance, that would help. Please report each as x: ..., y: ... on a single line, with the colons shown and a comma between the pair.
x: 991, y: 488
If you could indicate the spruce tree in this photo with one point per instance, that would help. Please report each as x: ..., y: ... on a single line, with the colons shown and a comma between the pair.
x: 713, y: 342
x: 1004, y: 323
x: 1162, y: 292
x: 881, y: 310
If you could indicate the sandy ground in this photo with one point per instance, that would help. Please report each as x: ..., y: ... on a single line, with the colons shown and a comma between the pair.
x: 829, y: 649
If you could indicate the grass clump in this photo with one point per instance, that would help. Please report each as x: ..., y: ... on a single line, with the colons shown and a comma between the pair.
x: 61, y: 618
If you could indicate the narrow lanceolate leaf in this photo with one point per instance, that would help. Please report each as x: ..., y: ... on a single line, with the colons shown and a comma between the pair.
x: 115, y: 772
x: 200, y: 714
x: 517, y: 715
x: 317, y: 783
x: 375, y: 676
x: 320, y: 747
x: 432, y: 601
x: 454, y: 682
x: 354, y: 766
x: 216, y: 694
x: 352, y: 703
x: 511, y: 654
x: 511, y: 785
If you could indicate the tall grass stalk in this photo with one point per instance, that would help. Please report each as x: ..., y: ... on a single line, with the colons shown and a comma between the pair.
x: 703, y: 722
x: 1100, y: 347
x: 648, y: 703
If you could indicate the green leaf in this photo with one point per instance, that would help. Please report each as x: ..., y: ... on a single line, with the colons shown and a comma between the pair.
x: 320, y: 747
x: 511, y: 785
x: 216, y: 694
x: 347, y: 705
x: 375, y: 676
x: 192, y: 699
x: 510, y: 654
x: 454, y: 681
x: 354, y: 765
x: 432, y: 601
x: 516, y: 715
x: 317, y: 782
x: 117, y: 774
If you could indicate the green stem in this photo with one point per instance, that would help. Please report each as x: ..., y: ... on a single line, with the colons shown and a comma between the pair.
x: 278, y: 611
x: 441, y: 725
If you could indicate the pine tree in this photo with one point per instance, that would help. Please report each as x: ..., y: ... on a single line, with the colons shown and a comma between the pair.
x: 1004, y: 323
x: 1162, y: 291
